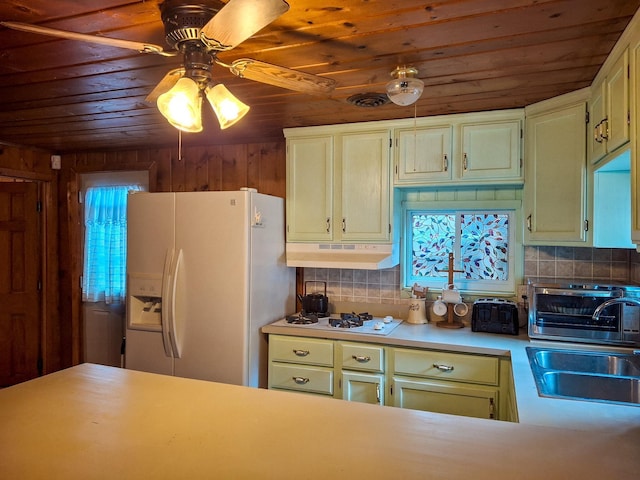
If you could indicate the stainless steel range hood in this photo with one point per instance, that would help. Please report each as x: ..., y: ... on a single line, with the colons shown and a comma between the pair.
x: 330, y: 255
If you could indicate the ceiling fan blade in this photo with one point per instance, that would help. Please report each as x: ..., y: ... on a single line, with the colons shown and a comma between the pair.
x: 238, y: 20
x: 112, y: 42
x: 167, y: 82
x: 282, y: 77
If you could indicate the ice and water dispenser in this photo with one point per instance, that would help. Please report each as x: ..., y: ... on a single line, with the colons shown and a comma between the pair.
x: 144, y: 311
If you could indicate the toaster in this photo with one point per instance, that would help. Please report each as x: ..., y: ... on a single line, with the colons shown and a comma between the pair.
x: 495, y: 315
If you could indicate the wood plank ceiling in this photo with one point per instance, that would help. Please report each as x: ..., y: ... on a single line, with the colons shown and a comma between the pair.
x: 473, y: 55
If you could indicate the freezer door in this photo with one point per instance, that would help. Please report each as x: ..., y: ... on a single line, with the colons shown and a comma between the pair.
x: 150, y: 246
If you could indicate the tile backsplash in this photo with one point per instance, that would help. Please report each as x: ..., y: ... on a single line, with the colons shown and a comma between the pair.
x: 383, y: 286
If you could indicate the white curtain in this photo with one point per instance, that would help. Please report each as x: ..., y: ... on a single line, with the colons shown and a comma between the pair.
x: 105, y: 246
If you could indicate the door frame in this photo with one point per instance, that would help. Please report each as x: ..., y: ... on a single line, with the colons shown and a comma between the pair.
x: 50, y: 321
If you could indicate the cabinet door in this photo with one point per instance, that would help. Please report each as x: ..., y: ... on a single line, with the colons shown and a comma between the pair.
x: 310, y: 189
x: 635, y: 157
x: 363, y: 387
x: 490, y: 151
x: 597, y: 146
x: 555, y: 190
x: 445, y: 397
x: 365, y: 186
x: 617, y: 85
x: 424, y: 155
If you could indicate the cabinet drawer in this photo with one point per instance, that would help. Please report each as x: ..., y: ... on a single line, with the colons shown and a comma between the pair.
x: 301, y: 378
x: 362, y: 357
x: 447, y: 366
x: 308, y: 351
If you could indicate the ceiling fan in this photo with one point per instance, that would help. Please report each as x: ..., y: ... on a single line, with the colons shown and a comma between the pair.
x: 199, y: 30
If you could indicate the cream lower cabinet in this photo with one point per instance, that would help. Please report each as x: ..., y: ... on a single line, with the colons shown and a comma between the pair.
x: 301, y: 364
x: 445, y: 382
x: 361, y: 377
x: 431, y: 380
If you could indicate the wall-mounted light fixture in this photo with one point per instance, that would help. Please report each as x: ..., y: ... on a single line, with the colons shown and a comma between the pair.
x: 404, y: 89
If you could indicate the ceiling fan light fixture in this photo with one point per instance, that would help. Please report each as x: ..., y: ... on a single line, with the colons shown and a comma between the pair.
x: 182, y: 105
x: 226, y: 106
x: 405, y: 89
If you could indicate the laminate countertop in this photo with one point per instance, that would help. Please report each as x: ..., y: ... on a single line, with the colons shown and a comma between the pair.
x: 98, y: 422
x: 599, y: 418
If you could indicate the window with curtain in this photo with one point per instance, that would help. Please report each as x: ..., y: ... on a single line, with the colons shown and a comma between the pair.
x: 105, y: 245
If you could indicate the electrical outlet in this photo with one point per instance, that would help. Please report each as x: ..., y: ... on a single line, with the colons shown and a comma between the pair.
x: 56, y: 162
x: 521, y: 292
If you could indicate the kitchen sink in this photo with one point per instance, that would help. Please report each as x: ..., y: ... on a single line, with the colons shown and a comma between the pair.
x: 593, y: 387
x: 594, y: 363
x: 590, y: 376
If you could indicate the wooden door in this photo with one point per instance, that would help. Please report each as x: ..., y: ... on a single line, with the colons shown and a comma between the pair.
x: 20, y: 337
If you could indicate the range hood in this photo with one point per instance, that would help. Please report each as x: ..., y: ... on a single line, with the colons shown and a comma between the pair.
x: 340, y: 255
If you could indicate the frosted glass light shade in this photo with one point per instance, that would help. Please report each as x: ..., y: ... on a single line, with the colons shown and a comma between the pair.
x: 404, y: 89
x: 227, y: 108
x: 182, y: 105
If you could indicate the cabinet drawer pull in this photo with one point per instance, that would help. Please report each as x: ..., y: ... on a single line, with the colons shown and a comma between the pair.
x: 443, y: 368
x: 301, y: 353
x: 445, y: 163
x: 361, y: 358
x: 300, y: 380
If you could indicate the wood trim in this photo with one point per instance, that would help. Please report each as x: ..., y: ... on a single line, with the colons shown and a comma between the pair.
x: 35, y: 176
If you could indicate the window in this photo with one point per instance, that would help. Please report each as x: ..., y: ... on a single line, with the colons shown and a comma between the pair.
x: 483, y: 243
x: 105, y: 246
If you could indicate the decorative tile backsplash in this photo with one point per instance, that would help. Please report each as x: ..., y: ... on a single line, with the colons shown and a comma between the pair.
x: 383, y: 286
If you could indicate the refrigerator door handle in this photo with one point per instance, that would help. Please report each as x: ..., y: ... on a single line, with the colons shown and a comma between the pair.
x: 167, y: 297
x: 176, y: 319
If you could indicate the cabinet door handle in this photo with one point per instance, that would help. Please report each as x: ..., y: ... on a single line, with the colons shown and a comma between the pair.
x: 328, y: 224
x: 605, y: 129
x: 443, y: 368
x: 361, y: 358
x: 300, y: 380
x: 344, y: 225
x: 596, y: 133
x: 445, y: 162
x: 465, y: 162
x: 529, y: 223
x: 301, y: 353
x: 378, y: 392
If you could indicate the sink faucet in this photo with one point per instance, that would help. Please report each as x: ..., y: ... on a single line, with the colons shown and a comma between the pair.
x: 613, y: 301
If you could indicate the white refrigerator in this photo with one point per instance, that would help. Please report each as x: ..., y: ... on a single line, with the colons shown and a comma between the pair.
x: 205, y: 271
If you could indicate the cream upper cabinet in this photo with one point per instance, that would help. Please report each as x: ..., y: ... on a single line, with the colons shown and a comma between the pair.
x: 609, y: 111
x: 490, y: 150
x: 310, y: 188
x: 479, y: 148
x: 338, y: 185
x: 555, y: 193
x: 635, y: 152
x: 365, y: 183
x: 424, y: 154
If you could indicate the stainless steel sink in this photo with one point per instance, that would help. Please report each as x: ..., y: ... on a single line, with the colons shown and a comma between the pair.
x: 593, y: 363
x: 590, y: 376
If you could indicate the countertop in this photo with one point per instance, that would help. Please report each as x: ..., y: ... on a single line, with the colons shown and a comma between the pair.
x: 91, y: 422
x: 609, y: 419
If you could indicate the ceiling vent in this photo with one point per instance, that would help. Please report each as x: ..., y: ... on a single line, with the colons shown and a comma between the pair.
x: 368, y: 100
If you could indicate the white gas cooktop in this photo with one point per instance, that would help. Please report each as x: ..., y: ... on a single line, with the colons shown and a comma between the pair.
x: 375, y: 326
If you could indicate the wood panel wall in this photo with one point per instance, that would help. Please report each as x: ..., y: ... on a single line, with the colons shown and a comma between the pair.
x: 211, y: 168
